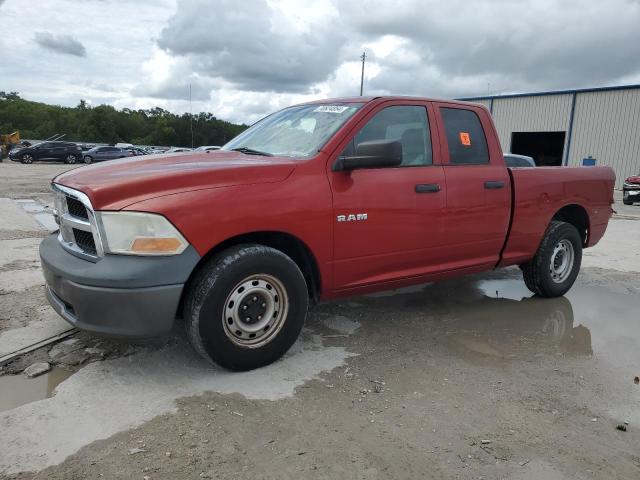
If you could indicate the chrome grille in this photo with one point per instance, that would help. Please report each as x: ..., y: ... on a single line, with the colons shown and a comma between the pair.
x: 76, y: 208
x: 79, y: 234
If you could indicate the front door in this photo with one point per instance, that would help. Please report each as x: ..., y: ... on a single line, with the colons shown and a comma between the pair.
x: 388, y: 221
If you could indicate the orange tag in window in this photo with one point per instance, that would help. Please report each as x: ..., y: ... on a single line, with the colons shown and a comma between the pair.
x: 465, y: 139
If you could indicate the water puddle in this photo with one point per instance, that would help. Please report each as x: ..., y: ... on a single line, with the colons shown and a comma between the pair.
x: 19, y: 389
x: 497, y: 320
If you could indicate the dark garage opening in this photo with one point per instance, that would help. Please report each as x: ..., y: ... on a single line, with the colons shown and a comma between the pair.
x: 546, y: 148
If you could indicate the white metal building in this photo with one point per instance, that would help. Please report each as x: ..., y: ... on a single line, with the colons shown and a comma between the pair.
x: 572, y: 127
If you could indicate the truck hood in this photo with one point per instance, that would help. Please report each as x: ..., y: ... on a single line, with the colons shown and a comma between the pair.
x: 633, y: 179
x: 115, y: 184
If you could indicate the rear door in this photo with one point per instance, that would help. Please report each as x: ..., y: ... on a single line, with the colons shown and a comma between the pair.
x: 478, y: 186
x: 388, y: 221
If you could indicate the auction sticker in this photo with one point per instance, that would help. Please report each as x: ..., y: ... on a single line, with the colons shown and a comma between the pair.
x: 331, y: 108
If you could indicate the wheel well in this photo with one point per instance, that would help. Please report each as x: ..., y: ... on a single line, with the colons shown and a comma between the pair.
x: 291, y: 246
x: 577, y: 216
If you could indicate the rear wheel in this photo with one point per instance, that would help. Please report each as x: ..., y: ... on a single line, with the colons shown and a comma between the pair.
x: 246, y: 307
x: 70, y: 159
x: 27, y: 158
x: 554, y: 269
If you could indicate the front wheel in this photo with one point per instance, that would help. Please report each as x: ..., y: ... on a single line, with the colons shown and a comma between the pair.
x: 554, y: 269
x: 246, y: 307
x: 88, y: 159
x: 27, y: 158
x: 626, y: 199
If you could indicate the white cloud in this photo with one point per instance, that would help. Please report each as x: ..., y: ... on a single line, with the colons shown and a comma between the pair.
x: 245, y: 59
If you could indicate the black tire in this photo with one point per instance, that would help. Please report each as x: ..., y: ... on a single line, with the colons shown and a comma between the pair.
x: 626, y: 200
x: 213, y: 325
x: 26, y: 159
x: 538, y: 275
x: 88, y: 159
x: 70, y: 159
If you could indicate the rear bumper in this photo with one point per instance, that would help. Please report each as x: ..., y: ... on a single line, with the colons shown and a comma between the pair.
x: 119, y: 296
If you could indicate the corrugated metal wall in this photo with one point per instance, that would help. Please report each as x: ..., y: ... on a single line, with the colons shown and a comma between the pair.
x: 606, y: 125
x: 530, y: 114
x: 486, y: 103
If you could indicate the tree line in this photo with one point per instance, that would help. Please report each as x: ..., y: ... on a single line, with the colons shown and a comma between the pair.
x: 105, y: 124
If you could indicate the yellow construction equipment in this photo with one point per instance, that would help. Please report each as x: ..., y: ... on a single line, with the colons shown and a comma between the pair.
x: 7, y: 142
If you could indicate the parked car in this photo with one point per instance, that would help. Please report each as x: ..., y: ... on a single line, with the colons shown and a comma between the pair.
x: 178, y: 149
x: 207, y: 148
x: 631, y: 190
x: 514, y: 160
x: 99, y: 154
x: 318, y: 201
x: 67, y: 152
x: 135, y: 151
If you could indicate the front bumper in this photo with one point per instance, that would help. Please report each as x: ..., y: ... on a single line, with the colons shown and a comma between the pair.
x: 631, y: 193
x: 120, y: 296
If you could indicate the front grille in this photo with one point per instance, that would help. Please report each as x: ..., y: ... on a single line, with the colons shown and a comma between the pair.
x: 76, y: 208
x: 85, y: 241
x: 77, y: 223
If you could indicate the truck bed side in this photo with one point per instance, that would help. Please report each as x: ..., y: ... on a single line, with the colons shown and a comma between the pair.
x: 539, y: 194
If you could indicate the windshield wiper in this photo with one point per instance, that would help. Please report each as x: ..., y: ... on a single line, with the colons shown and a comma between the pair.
x: 251, y: 151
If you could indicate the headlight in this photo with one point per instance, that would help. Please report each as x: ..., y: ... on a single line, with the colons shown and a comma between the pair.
x: 137, y: 233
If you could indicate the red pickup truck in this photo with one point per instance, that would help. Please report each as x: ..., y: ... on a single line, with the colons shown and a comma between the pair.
x: 317, y: 201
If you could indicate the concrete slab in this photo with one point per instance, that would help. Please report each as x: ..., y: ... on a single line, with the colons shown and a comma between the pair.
x: 15, y: 218
x: 41, y: 212
x: 19, y: 264
x: 19, y: 338
x: 618, y: 249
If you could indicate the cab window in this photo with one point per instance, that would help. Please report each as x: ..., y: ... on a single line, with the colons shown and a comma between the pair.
x: 408, y: 125
x: 465, y: 137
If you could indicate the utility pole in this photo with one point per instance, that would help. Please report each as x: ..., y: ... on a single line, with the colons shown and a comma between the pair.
x: 363, y: 57
x: 191, y: 115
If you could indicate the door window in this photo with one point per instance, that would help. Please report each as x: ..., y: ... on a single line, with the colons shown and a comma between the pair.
x: 408, y: 125
x: 465, y: 137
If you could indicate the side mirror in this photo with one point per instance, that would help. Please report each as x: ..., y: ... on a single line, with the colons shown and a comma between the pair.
x: 372, y: 154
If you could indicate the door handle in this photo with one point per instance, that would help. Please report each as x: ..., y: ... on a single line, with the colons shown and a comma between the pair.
x: 427, y: 188
x: 493, y: 184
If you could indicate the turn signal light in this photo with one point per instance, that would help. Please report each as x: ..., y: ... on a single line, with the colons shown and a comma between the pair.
x: 156, y: 245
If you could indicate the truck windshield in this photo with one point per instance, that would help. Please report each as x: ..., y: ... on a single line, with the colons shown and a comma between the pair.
x: 295, y: 131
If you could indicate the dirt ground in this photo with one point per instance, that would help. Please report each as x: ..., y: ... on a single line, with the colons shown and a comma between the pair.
x: 468, y: 378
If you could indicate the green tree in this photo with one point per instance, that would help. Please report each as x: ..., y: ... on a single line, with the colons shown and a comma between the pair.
x: 105, y: 124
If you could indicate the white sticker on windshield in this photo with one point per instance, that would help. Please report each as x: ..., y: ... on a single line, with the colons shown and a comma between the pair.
x: 331, y: 108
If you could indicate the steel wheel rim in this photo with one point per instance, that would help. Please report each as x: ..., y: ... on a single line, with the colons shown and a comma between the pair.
x: 561, y: 263
x: 255, y: 311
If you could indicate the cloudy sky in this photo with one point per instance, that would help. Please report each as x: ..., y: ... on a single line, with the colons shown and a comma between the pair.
x: 246, y: 58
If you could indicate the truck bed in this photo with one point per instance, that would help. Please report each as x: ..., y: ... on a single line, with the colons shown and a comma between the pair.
x: 540, y: 193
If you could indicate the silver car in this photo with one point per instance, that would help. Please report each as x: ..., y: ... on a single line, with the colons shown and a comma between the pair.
x: 99, y: 154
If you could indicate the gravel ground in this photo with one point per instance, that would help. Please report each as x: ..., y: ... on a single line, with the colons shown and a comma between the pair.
x: 468, y: 378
